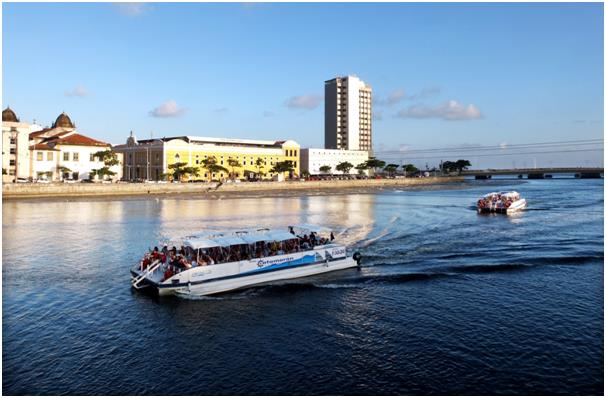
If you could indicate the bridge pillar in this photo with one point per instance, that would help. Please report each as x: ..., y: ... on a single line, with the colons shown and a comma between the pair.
x: 536, y: 176
x: 483, y: 177
x: 589, y: 175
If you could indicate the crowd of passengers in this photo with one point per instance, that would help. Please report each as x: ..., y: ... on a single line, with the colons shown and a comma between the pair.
x: 187, y: 257
x: 497, y: 200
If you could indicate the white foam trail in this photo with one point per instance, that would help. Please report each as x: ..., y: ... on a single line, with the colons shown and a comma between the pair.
x: 386, y: 231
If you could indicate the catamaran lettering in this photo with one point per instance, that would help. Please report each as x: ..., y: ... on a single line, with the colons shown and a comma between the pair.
x: 263, y: 263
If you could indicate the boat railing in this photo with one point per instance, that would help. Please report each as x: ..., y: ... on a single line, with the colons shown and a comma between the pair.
x: 148, y: 271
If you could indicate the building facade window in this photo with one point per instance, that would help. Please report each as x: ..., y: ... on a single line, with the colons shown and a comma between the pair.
x: 11, y: 162
x: 39, y: 156
x: 92, y: 157
x: 66, y: 156
x: 13, y: 151
x: 49, y: 156
x: 76, y: 156
x: 13, y: 141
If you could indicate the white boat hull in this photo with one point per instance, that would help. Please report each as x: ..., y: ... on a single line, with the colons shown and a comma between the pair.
x: 514, y: 207
x: 221, y: 286
x: 219, y: 278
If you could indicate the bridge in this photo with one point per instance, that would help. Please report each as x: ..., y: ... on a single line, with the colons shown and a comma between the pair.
x: 538, y: 173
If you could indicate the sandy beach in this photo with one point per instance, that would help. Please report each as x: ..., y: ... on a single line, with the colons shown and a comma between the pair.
x: 212, y: 191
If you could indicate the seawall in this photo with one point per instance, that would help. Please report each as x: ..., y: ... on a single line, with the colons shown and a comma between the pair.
x: 20, y: 190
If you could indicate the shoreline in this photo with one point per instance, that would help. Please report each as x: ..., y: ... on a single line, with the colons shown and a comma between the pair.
x: 16, y: 192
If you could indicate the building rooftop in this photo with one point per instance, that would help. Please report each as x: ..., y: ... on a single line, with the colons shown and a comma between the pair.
x: 8, y: 115
x: 221, y: 141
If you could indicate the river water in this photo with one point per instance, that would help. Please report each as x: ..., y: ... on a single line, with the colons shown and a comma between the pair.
x: 447, y: 301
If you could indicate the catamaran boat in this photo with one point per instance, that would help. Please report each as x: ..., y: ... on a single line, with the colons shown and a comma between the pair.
x: 501, y: 202
x: 211, y: 263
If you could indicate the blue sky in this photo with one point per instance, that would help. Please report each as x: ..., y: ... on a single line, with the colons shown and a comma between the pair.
x: 442, y: 74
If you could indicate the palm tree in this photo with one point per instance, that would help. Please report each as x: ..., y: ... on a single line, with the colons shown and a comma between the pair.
x: 260, y: 163
x: 233, y: 163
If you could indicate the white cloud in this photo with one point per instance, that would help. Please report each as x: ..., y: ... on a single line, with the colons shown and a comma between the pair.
x: 78, y: 91
x: 268, y: 113
x: 425, y: 93
x: 393, y: 98
x: 310, y: 101
x: 167, y: 109
x: 396, y: 96
x: 450, y: 110
x: 131, y: 9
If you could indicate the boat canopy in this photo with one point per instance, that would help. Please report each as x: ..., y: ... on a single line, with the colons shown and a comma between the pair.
x: 237, y: 238
x: 306, y: 229
x: 200, y: 243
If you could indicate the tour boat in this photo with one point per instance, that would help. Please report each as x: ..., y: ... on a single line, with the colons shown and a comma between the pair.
x: 501, y: 202
x: 211, y: 263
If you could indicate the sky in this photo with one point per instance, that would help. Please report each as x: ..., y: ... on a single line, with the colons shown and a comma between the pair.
x: 443, y: 75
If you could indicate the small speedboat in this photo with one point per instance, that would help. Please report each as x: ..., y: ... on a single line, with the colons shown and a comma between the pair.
x: 501, y: 202
x: 211, y: 263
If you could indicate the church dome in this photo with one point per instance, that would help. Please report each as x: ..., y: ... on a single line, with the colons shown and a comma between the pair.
x: 9, y: 116
x: 63, y: 121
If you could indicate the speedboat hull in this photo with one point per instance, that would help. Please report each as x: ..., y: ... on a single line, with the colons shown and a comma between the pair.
x: 514, y: 207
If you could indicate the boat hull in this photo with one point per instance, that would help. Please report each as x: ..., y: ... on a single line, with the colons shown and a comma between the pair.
x: 207, y: 280
x: 514, y: 207
x: 239, y: 282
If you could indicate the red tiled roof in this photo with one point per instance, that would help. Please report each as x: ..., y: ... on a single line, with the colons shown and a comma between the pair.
x: 37, y: 133
x: 78, y: 139
x: 42, y: 147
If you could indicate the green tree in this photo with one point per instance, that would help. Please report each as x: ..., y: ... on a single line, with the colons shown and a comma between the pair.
x: 105, y: 171
x: 305, y: 174
x: 285, y: 166
x: 390, y: 169
x: 260, y: 163
x: 462, y: 164
x: 325, y: 169
x: 233, y: 163
x: 108, y: 157
x: 410, y: 168
x: 374, y: 164
x: 361, y: 168
x: 64, y: 170
x: 178, y: 170
x: 92, y: 174
x: 344, y: 167
x: 211, y: 165
x: 458, y: 166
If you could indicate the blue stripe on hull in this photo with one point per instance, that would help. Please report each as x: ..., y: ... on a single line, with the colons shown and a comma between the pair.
x: 291, y: 264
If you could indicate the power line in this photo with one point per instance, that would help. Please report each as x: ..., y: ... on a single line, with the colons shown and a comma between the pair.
x: 497, y: 147
x: 403, y: 156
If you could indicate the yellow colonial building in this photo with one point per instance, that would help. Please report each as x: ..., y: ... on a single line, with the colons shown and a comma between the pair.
x: 151, y: 159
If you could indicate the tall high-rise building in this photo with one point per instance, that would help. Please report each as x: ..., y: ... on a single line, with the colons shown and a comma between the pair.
x: 347, y: 114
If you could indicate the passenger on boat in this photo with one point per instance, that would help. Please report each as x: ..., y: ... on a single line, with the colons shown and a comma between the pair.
x: 332, y: 236
x: 313, y: 240
x: 205, y: 259
x: 155, y: 254
x: 146, y: 261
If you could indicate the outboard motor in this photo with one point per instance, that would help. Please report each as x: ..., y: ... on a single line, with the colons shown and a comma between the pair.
x: 357, y: 258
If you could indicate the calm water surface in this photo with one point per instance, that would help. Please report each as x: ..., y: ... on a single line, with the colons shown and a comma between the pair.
x: 447, y: 301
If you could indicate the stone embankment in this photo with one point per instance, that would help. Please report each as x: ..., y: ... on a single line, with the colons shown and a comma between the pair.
x: 22, y: 190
